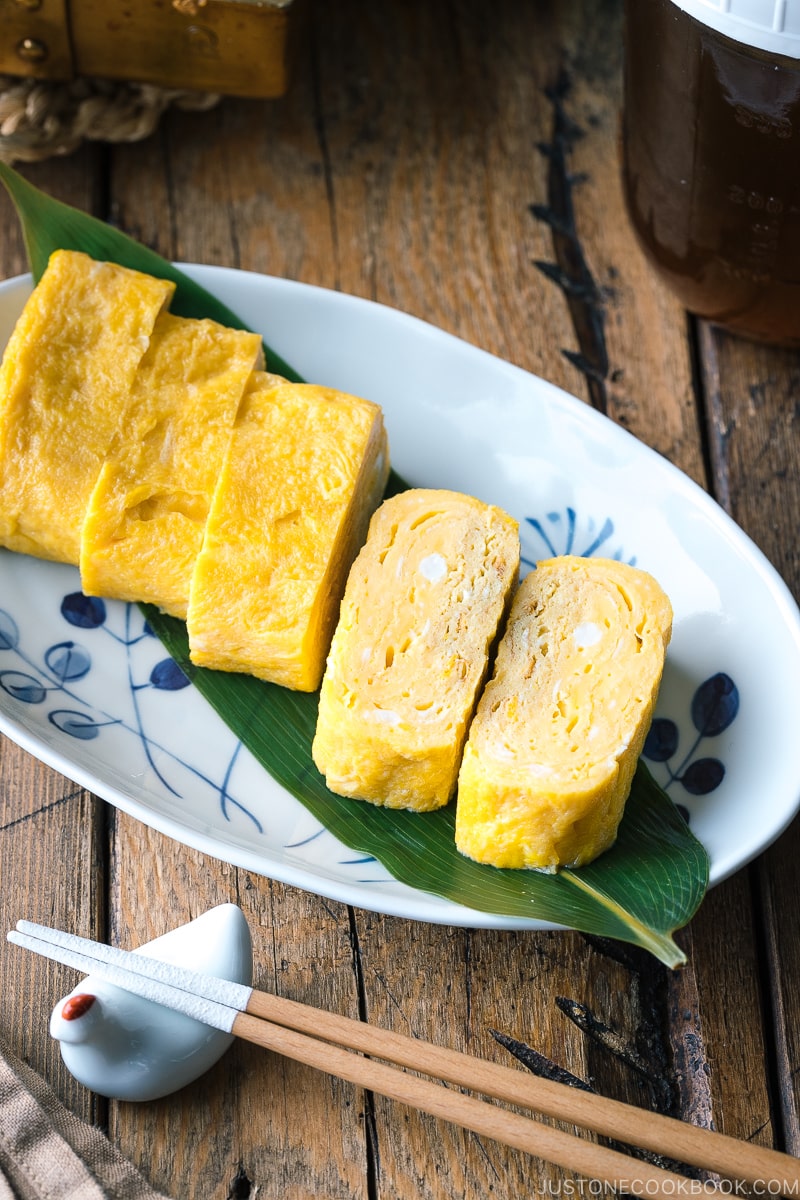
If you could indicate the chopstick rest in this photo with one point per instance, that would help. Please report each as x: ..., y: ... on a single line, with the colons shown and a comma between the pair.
x: 337, y: 1045
x: 129, y: 1047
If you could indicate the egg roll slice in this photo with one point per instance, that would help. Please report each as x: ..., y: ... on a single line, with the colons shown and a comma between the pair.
x: 65, y: 382
x: 147, y: 513
x: 551, y: 754
x: 305, y: 469
x: 420, y: 612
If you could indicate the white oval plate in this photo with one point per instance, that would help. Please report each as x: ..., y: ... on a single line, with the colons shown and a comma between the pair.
x: 86, y: 688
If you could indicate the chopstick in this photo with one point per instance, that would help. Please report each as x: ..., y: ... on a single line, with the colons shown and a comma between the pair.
x: 327, y: 1041
x: 552, y: 1145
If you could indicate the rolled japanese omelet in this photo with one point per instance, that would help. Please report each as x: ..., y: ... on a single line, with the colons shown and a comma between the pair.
x: 551, y: 753
x: 146, y: 515
x: 422, y: 607
x: 65, y: 383
x: 304, y: 471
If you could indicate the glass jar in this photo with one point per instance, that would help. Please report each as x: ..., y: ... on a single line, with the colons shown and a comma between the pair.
x: 711, y: 156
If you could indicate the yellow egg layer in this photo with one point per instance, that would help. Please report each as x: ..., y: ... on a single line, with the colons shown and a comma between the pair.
x: 551, y: 754
x: 65, y: 383
x: 305, y: 469
x: 147, y: 512
x: 422, y: 607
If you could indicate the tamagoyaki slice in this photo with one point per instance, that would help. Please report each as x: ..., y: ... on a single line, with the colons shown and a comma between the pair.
x: 65, y: 383
x: 421, y: 610
x: 147, y: 512
x: 305, y: 469
x: 551, y: 753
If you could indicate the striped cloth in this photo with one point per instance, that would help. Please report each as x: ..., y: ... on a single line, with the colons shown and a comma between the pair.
x: 47, y: 1153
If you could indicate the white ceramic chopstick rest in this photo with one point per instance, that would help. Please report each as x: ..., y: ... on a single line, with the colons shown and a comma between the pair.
x: 123, y: 1046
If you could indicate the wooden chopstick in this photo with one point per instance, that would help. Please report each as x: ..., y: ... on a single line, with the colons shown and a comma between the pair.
x: 555, y: 1146
x: 552, y: 1145
x: 295, y: 1030
x: 666, y: 1136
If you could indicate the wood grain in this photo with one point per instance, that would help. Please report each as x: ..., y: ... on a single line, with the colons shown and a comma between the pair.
x: 752, y: 418
x: 462, y: 165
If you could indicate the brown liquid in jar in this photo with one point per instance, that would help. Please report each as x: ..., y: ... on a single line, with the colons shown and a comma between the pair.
x: 711, y: 167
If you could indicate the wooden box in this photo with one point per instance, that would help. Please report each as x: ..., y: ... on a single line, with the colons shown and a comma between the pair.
x: 233, y: 47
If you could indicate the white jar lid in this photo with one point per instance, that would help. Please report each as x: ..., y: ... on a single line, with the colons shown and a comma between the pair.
x: 772, y: 25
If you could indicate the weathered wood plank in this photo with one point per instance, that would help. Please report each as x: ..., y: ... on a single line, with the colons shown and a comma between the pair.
x: 752, y: 422
x: 416, y: 162
x: 52, y: 853
x: 250, y: 1118
x: 52, y: 870
x: 630, y: 335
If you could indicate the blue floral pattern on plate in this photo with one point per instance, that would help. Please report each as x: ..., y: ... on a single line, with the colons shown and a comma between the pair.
x: 54, y: 681
x: 562, y: 533
x: 713, y: 709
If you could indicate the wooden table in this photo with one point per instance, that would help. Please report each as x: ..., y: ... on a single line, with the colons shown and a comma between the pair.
x: 404, y: 166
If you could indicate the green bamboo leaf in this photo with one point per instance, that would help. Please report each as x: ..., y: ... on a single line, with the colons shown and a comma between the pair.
x: 647, y: 886
x: 641, y: 891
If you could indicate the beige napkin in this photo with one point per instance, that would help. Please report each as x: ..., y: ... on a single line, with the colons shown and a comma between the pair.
x: 47, y: 1153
